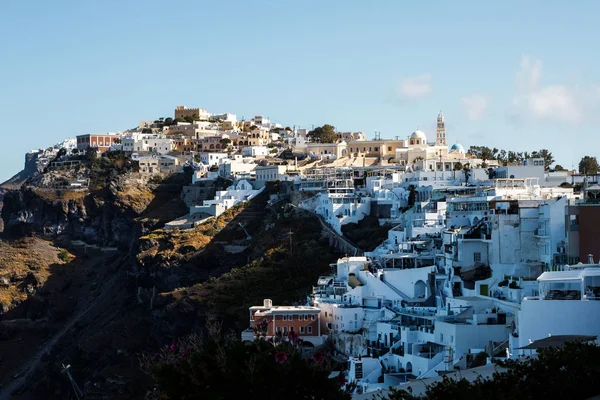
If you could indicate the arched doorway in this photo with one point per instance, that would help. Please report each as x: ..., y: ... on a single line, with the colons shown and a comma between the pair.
x: 420, y: 289
x: 408, y: 367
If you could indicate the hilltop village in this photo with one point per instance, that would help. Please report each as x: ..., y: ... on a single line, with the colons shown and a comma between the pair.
x: 489, y: 254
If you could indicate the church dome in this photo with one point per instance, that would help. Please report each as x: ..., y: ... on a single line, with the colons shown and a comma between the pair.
x: 419, y: 135
x: 457, y: 147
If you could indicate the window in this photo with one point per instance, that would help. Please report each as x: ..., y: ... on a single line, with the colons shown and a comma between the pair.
x: 278, y: 329
x: 441, y: 337
x: 284, y: 317
x: 306, y: 317
x: 312, y: 317
x: 477, y: 257
x: 301, y: 329
x: 355, y: 316
x: 309, y: 329
x: 291, y: 329
x: 389, y: 148
x: 285, y: 329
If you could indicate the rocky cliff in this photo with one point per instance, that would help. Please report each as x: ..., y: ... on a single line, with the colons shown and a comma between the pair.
x: 99, y: 312
x: 112, y: 216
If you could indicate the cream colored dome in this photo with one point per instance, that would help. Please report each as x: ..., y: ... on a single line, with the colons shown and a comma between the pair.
x: 419, y: 135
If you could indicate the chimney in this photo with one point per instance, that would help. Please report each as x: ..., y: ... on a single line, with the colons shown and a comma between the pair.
x: 267, y: 303
x: 590, y: 258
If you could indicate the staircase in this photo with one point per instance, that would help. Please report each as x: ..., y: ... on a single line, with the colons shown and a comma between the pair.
x: 398, y: 292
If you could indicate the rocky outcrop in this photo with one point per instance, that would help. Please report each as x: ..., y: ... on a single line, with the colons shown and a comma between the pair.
x: 112, y: 216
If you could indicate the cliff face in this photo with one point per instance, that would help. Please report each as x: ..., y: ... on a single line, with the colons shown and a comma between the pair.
x: 112, y: 216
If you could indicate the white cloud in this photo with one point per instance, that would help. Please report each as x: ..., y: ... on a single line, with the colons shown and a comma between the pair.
x: 529, y: 75
x: 476, y: 106
x: 418, y: 86
x: 555, y: 102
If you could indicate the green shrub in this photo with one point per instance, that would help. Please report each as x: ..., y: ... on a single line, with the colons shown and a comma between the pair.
x: 220, y: 366
x: 64, y: 256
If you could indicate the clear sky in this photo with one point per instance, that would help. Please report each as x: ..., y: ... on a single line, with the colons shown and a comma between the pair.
x: 520, y: 75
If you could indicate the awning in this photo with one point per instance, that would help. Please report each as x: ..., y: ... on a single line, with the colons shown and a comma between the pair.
x: 557, y: 341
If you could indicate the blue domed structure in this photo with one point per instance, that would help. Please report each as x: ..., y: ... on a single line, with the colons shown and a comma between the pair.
x: 457, y: 147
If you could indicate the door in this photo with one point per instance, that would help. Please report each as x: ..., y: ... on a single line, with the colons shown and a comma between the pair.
x: 483, y: 290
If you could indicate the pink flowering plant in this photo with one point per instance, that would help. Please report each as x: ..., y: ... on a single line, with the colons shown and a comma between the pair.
x: 220, y: 366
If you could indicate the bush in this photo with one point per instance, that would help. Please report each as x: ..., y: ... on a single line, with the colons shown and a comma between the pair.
x: 514, y: 285
x: 218, y: 366
x: 567, y: 372
x: 64, y: 256
x: 503, y: 283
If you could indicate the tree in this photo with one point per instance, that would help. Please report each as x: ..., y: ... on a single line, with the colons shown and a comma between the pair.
x: 197, y: 158
x: 502, y: 157
x: 588, y: 165
x: 75, y: 151
x: 146, y: 130
x: 412, y: 195
x: 61, y: 153
x: 467, y: 172
x: 547, y: 156
x: 323, y: 134
x: 559, y: 167
x: 567, y: 372
x: 206, y: 366
x: 486, y: 154
x: 457, y: 167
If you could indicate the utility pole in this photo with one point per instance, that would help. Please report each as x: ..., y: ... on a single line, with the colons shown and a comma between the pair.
x: 290, y: 233
x: 78, y: 392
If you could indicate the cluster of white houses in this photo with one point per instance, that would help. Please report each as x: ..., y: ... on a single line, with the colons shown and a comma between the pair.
x: 493, y: 269
x: 471, y: 271
x: 479, y: 263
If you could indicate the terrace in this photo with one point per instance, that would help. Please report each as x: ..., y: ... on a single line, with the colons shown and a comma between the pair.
x: 583, y: 284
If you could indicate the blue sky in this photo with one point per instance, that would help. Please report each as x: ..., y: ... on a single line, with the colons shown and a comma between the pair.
x: 511, y: 74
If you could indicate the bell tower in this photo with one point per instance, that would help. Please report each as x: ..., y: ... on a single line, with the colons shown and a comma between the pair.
x: 440, y: 131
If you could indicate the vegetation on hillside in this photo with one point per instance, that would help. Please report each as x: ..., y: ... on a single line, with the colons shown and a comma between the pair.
x: 567, y: 372
x: 218, y: 366
x: 283, y: 276
x: 323, y: 134
x: 367, y: 234
x: 589, y: 165
x: 509, y: 157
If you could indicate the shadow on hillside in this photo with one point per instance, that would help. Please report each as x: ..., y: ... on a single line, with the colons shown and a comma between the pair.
x: 222, y: 285
x: 50, y: 305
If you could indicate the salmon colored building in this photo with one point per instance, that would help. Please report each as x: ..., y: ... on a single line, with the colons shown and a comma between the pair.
x: 305, y: 321
x: 101, y: 142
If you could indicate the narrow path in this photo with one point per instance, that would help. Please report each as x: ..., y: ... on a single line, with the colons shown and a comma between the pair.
x: 32, y: 365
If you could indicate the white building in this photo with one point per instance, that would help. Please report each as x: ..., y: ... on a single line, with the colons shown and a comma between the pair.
x: 568, y: 304
x: 152, y: 143
x: 271, y: 173
x: 342, y: 204
x: 255, y: 151
x: 240, y: 192
x: 235, y: 168
x: 212, y: 158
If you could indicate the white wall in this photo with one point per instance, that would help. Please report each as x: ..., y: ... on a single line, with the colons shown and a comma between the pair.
x: 405, y: 279
x: 539, y: 318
